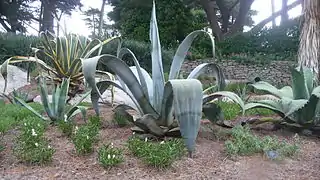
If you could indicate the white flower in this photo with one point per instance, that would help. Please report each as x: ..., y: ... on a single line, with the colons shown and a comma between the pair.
x: 113, y: 156
x: 87, y: 137
x: 49, y: 147
x: 134, y: 133
x: 146, y: 139
x: 111, y: 145
x: 65, y: 118
x: 76, y: 129
x: 33, y: 132
x: 25, y: 124
x: 162, y: 142
x: 109, y: 156
x: 36, y: 144
x: 38, y: 125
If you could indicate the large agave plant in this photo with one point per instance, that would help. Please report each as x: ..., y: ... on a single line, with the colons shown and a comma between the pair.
x: 173, y: 108
x: 298, y: 105
x: 58, y: 109
x: 62, y: 58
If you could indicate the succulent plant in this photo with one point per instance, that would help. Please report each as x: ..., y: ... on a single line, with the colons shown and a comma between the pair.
x: 297, y: 105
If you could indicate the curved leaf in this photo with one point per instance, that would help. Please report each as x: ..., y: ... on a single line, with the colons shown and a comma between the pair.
x: 157, y: 69
x: 182, y: 51
x: 141, y: 79
x: 216, y: 70
x: 103, y: 86
x: 30, y: 108
x: 123, y: 71
x: 228, y: 94
x: 76, y: 110
x: 273, y: 107
x: 186, y: 102
x: 299, y: 88
x: 265, y: 86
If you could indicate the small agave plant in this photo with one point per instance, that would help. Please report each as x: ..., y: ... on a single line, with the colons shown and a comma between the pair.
x: 297, y: 105
x: 58, y: 109
x: 173, y: 108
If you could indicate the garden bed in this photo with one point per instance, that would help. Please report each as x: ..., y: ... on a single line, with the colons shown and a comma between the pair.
x: 210, y: 161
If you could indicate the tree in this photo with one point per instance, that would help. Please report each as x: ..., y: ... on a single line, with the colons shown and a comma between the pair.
x: 14, y: 13
x: 132, y: 19
x: 272, y: 10
x: 101, y: 17
x: 92, y: 20
x: 50, y: 8
x: 227, y: 17
x: 284, y: 13
x: 309, y: 48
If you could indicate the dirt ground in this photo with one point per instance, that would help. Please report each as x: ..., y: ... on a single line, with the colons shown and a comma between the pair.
x: 209, y: 162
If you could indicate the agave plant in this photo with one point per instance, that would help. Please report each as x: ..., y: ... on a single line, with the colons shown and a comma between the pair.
x: 58, y: 109
x: 62, y: 58
x: 297, y: 105
x: 173, y: 108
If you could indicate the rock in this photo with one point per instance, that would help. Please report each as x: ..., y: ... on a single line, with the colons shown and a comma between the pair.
x: 16, y: 78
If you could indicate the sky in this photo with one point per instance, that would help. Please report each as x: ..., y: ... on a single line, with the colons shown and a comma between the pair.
x: 75, y: 23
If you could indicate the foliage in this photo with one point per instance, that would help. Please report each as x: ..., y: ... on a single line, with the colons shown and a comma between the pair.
x: 66, y: 127
x: 160, y: 155
x: 120, y: 120
x: 31, y: 145
x: 84, y: 138
x: 297, y: 105
x: 279, y: 43
x: 175, y: 20
x: 243, y: 142
x: 58, y: 108
x: 110, y: 156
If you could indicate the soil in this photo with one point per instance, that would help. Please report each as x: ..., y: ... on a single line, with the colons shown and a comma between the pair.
x: 210, y: 161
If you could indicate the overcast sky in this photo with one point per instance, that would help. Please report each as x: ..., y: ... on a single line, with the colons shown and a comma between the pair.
x: 75, y: 23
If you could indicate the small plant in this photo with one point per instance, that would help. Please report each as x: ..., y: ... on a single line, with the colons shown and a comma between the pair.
x: 94, y: 121
x: 31, y: 146
x: 160, y: 155
x: 243, y: 142
x: 84, y: 137
x: 109, y: 156
x: 66, y: 127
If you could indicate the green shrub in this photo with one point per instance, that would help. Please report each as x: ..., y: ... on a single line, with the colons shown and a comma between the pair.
x: 109, y: 156
x: 160, y: 155
x: 31, y: 146
x: 243, y: 142
x: 66, y: 127
x: 94, y: 122
x: 84, y: 138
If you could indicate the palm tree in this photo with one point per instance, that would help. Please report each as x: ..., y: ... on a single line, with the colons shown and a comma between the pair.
x: 309, y: 48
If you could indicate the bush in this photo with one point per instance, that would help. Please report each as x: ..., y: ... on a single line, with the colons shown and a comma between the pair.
x: 84, y: 138
x: 109, y: 156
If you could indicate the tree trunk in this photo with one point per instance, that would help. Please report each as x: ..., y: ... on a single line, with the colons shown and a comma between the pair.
x: 47, y: 20
x: 284, y: 13
x: 273, y: 10
x: 101, y: 17
x: 208, y: 7
x: 309, y: 48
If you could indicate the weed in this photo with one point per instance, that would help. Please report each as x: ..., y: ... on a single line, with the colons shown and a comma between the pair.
x: 94, y: 121
x: 109, y: 156
x: 160, y: 155
x: 66, y: 127
x: 243, y: 142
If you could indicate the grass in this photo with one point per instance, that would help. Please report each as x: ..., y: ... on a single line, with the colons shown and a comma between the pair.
x: 157, y: 154
x: 109, y: 156
x: 244, y: 142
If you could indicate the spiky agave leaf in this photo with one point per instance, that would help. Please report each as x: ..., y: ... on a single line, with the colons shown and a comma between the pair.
x: 265, y: 86
x: 302, y: 83
x: 157, y: 69
x: 233, y: 96
x: 186, y: 103
x: 182, y: 50
x: 30, y: 108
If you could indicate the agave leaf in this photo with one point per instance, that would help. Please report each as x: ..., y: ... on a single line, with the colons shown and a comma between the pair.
x: 265, y: 86
x: 182, y: 50
x: 299, y: 88
x: 103, y: 86
x: 142, y: 80
x: 122, y: 109
x: 157, y: 69
x: 310, y: 111
x: 45, y: 99
x: 274, y: 106
x: 75, y: 110
x: 30, y: 108
x: 217, y: 72
x: 228, y: 94
x: 186, y: 102
x: 98, y: 46
x: 148, y: 123
x: 148, y: 80
x: 308, y: 77
x: 123, y: 71
x: 213, y: 112
x: 63, y: 95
